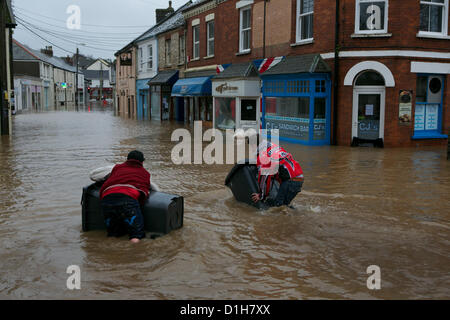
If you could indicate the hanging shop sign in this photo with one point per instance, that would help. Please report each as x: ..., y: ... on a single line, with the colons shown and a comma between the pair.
x: 405, y: 107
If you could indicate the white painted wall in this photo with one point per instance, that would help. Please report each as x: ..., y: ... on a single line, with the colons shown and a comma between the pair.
x: 144, y: 72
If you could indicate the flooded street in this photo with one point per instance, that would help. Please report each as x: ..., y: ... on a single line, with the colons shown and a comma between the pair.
x: 359, y: 207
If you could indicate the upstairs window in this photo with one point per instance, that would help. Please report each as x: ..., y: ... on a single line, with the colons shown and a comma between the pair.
x: 210, y: 38
x: 305, y: 14
x: 141, y: 59
x: 434, y: 16
x: 150, y: 57
x: 196, y: 42
x: 245, y: 29
x: 168, y: 49
x: 371, y: 16
x: 181, y: 49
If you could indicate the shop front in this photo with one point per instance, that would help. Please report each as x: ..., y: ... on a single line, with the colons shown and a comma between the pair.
x: 194, y: 96
x: 161, y: 104
x: 297, y: 100
x: 143, y: 99
x: 237, y: 95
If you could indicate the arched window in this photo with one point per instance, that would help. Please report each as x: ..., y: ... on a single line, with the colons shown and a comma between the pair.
x: 370, y: 78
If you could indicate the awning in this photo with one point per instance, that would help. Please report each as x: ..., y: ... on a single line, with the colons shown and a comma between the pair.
x: 192, y: 87
x: 168, y: 77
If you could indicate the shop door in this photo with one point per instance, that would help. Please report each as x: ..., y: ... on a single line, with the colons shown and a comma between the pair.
x: 368, y: 113
x: 249, y: 114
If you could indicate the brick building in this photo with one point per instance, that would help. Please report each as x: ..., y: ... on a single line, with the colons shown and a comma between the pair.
x: 389, y: 83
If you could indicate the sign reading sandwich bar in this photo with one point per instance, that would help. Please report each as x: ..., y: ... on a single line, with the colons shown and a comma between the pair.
x: 237, y: 88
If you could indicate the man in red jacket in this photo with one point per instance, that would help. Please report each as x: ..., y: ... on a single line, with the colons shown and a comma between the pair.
x: 122, y: 195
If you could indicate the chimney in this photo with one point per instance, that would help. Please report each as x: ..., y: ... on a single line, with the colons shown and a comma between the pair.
x: 48, y: 51
x: 161, y: 14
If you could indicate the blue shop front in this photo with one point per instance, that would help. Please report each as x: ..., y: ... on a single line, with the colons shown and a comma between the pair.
x: 296, y: 96
x: 143, y: 99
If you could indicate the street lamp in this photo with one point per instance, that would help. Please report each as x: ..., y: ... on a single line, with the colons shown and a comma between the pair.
x: 76, y: 79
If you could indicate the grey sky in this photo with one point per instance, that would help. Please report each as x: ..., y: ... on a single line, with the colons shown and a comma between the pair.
x: 133, y: 16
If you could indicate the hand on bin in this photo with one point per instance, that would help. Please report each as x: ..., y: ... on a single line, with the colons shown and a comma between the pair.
x: 256, y: 197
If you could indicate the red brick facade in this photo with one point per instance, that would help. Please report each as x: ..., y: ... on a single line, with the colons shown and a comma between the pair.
x: 396, y: 49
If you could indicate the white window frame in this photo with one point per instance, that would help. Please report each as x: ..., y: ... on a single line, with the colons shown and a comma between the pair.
x: 141, y: 59
x: 209, y: 39
x: 149, y: 57
x: 195, y: 42
x: 300, y: 16
x: 444, y: 32
x: 357, y: 18
x: 241, y: 30
x: 181, y: 49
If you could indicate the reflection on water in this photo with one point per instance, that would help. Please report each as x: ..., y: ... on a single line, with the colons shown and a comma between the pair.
x: 359, y: 207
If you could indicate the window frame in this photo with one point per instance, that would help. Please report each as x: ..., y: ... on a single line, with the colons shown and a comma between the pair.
x: 167, y: 47
x: 181, y: 49
x: 299, y: 16
x: 358, y: 18
x: 241, y: 30
x: 445, y: 19
x: 195, y: 42
x: 210, y: 39
x: 141, y: 58
x: 150, y: 56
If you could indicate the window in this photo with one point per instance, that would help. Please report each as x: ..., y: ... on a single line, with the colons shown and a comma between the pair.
x: 167, y: 48
x: 305, y: 13
x: 434, y: 16
x: 245, y: 30
x: 428, y: 110
x: 181, y: 50
x: 371, y: 16
x: 196, y: 40
x: 210, y: 38
x: 141, y: 59
x: 150, y: 57
x: 225, y: 113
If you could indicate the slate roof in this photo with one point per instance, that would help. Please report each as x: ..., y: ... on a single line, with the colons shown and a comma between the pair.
x: 204, y: 73
x: 96, y: 74
x: 239, y: 70
x: 307, y: 63
x: 23, y: 52
x: 164, y: 77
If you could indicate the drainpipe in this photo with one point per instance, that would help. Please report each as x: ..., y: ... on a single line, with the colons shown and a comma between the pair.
x: 336, y: 73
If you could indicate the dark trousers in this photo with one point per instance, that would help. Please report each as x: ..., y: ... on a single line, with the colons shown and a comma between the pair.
x: 123, y: 216
x: 287, y: 192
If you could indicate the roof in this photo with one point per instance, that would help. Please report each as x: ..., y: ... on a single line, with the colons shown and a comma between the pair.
x: 307, y: 63
x: 203, y: 73
x: 239, y: 70
x: 23, y: 52
x: 169, y: 76
x: 95, y: 74
x: 98, y: 59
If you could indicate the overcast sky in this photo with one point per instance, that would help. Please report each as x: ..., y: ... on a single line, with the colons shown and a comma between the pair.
x: 106, y: 25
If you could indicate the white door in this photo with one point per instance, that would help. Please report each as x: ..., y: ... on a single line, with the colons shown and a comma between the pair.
x: 368, y: 112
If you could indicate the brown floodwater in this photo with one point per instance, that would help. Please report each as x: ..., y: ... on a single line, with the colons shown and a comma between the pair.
x: 359, y: 207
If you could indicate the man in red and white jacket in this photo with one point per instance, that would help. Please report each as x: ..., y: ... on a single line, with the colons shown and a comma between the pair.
x: 277, y: 165
x: 122, y: 195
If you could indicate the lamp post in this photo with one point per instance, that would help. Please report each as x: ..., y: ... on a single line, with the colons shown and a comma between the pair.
x: 76, y: 78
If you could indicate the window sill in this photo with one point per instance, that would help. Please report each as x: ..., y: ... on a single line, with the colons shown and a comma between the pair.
x: 432, y: 36
x: 302, y: 42
x: 196, y: 59
x: 208, y: 57
x: 435, y: 135
x: 243, y: 53
x: 371, y: 35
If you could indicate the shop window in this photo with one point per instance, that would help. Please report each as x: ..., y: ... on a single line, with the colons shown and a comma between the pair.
x: 305, y: 14
x: 273, y: 86
x: 428, y: 109
x: 434, y: 16
x: 371, y: 16
x: 320, y: 86
x: 297, y: 86
x: 225, y: 113
x: 320, y: 120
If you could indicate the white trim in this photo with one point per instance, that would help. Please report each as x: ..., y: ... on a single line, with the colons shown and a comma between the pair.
x: 195, y: 22
x: 371, y: 32
x: 209, y: 17
x: 430, y: 67
x: 389, y: 53
x: 298, y: 30
x: 243, y: 3
x: 444, y: 26
x: 368, y: 90
x: 302, y: 42
x: 241, y: 30
x: 432, y: 35
x: 370, y: 65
